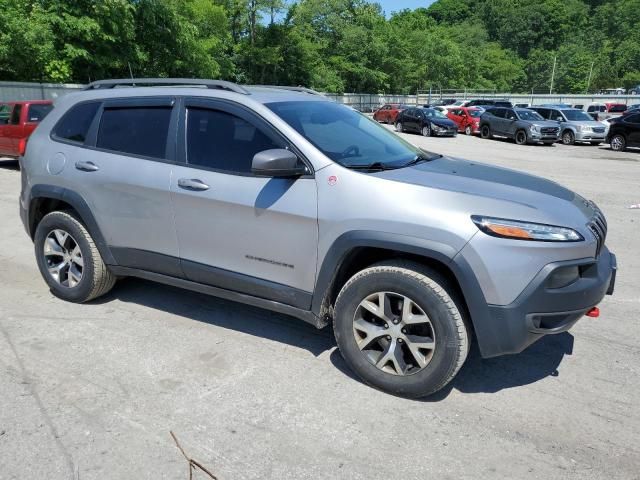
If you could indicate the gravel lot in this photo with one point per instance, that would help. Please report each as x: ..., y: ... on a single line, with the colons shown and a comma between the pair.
x: 92, y: 391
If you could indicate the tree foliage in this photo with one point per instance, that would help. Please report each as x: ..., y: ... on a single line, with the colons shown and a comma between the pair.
x: 331, y: 45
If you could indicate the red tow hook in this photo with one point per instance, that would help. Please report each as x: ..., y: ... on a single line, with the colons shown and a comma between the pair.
x: 593, y: 313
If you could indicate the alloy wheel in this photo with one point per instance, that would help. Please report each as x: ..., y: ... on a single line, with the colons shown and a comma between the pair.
x: 63, y: 258
x: 399, y: 127
x: 618, y: 143
x: 394, y: 333
x: 567, y: 138
x: 426, y: 131
x: 521, y: 138
x: 467, y: 130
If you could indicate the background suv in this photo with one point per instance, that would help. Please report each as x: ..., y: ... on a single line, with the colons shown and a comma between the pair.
x: 575, y: 125
x: 521, y: 124
x: 624, y: 132
x: 285, y: 200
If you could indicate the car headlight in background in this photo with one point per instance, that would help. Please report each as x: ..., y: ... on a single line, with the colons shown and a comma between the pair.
x: 518, y: 230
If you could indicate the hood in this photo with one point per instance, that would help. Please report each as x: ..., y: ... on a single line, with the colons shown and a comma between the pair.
x: 494, y: 191
x: 442, y: 122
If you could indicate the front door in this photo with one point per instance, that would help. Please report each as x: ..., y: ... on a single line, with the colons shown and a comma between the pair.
x: 237, y: 231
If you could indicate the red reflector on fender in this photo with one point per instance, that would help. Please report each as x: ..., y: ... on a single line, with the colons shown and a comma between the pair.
x: 593, y: 313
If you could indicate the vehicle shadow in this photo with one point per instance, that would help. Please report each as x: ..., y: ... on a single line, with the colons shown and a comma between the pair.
x: 491, y: 375
x: 9, y: 164
x: 222, y: 313
x: 478, y: 375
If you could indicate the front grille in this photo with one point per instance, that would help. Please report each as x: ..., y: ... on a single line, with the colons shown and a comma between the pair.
x: 598, y: 226
x: 549, y: 130
x: 598, y: 129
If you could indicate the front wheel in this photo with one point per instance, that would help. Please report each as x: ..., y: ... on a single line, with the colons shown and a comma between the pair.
x: 426, y: 131
x: 485, y: 132
x: 521, y: 137
x: 69, y: 260
x: 468, y: 130
x: 568, y: 138
x: 399, y: 327
x: 399, y: 127
x: 618, y: 143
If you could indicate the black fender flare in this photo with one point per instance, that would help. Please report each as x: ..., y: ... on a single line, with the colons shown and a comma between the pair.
x: 447, y: 255
x: 81, y: 207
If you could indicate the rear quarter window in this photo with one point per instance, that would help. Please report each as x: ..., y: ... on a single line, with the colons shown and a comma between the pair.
x: 74, y: 125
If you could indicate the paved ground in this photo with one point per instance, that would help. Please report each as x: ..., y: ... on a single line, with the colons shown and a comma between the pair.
x: 92, y: 391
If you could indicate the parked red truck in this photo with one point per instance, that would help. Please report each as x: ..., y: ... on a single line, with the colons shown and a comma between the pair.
x: 17, y: 121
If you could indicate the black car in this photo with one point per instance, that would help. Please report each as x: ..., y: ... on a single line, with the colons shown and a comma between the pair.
x: 427, y: 121
x: 624, y: 132
x: 489, y: 103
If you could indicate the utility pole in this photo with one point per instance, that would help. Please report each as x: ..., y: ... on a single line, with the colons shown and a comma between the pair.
x: 553, y: 73
x: 589, y: 80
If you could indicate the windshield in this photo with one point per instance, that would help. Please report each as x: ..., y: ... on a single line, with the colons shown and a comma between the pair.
x: 430, y: 112
x: 577, y: 115
x: 475, y: 113
x: 345, y: 136
x: 529, y: 115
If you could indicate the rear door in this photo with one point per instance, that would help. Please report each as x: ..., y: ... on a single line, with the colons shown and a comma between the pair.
x: 633, y: 127
x: 120, y: 158
x: 237, y: 231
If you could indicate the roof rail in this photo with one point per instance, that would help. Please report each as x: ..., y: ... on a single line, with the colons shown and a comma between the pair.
x: 293, y: 89
x: 142, y: 82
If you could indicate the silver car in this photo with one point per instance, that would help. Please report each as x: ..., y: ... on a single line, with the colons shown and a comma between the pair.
x: 575, y: 125
x: 285, y: 200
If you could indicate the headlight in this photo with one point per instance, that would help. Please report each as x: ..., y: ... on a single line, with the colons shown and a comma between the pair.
x: 517, y: 230
x: 584, y: 128
x: 437, y: 128
x: 533, y: 128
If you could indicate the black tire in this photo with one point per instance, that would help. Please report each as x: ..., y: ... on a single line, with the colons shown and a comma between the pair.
x: 432, y: 293
x: 568, y: 138
x: 485, y: 132
x: 521, y: 137
x: 618, y: 143
x: 96, y: 279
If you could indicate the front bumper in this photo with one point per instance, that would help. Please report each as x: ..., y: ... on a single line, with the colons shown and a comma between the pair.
x: 449, y: 132
x: 589, y: 136
x: 540, y: 310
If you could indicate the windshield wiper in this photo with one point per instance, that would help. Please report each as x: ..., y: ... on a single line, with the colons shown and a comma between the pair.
x: 375, y: 166
x: 420, y: 159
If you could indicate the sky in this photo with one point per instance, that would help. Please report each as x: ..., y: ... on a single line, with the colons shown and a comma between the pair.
x: 390, y: 6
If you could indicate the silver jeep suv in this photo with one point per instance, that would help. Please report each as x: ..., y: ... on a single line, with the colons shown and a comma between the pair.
x: 282, y: 199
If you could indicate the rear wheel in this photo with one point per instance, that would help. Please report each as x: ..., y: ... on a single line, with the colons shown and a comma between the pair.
x: 399, y: 328
x: 485, y: 132
x: 618, y: 143
x: 521, y: 137
x: 69, y: 260
x: 568, y: 138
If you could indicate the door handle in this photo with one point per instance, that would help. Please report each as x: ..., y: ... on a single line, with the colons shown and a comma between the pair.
x: 87, y: 166
x: 192, y: 184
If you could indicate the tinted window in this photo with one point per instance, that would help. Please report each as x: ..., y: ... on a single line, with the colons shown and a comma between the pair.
x: 38, y: 112
x: 617, y: 108
x: 556, y: 115
x: 15, y: 116
x: 577, y: 115
x: 503, y: 104
x: 510, y: 115
x: 75, y: 124
x: 345, y: 136
x: 529, y: 115
x: 137, y: 130
x: 5, y: 113
x: 633, y: 118
x: 222, y: 141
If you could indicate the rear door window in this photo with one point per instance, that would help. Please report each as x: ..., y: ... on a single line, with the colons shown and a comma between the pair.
x: 5, y: 113
x: 135, y: 130
x: 74, y: 125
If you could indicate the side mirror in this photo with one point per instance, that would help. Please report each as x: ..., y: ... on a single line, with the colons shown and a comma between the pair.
x: 559, y: 119
x: 277, y: 162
